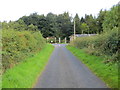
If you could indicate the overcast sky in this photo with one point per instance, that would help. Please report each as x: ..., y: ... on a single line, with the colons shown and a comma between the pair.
x: 14, y: 9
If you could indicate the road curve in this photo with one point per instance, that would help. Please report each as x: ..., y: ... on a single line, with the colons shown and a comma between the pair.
x: 64, y: 70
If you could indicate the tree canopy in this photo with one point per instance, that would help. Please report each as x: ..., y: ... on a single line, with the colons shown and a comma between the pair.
x: 61, y: 25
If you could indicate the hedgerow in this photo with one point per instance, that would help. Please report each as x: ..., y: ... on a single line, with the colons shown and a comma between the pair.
x: 106, y: 44
x: 17, y: 45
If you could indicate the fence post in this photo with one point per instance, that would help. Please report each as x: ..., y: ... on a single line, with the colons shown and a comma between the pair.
x: 59, y: 40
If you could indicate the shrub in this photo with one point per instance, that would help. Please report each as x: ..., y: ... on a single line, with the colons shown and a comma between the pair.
x: 17, y: 45
x: 106, y: 44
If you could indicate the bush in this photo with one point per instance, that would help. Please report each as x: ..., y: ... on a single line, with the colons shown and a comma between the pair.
x: 17, y: 45
x: 106, y: 44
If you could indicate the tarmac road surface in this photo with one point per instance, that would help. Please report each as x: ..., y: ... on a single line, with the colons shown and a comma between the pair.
x: 64, y: 70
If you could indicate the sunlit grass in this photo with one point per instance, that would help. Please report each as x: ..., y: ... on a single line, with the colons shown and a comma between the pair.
x: 24, y: 75
x: 108, y: 73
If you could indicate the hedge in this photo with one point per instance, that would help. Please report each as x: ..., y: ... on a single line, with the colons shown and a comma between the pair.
x: 17, y: 45
x: 106, y: 44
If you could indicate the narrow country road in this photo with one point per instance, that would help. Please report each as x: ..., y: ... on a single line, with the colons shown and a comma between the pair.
x: 64, y: 70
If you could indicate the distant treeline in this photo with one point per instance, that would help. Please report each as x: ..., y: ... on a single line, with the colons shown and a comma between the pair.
x: 62, y: 25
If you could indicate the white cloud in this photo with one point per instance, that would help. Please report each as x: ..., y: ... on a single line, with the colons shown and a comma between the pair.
x: 14, y: 9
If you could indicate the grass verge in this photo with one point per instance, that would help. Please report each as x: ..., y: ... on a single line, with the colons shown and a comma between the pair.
x: 108, y: 73
x: 24, y: 74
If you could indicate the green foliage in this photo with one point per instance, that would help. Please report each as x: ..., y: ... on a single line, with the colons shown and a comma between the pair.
x: 92, y: 24
x: 112, y: 18
x: 61, y: 25
x: 32, y: 27
x: 25, y: 74
x: 85, y: 28
x: 108, y: 73
x: 100, y: 20
x: 105, y: 44
x: 64, y: 25
x: 17, y: 45
x: 77, y: 24
x: 51, y: 25
x: 19, y: 25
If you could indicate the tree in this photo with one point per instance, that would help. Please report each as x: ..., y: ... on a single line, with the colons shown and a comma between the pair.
x: 51, y: 25
x: 100, y: 20
x: 82, y: 20
x: 111, y: 19
x: 32, y: 27
x: 84, y: 28
x: 64, y: 25
x: 92, y: 23
x: 77, y: 24
x: 16, y: 25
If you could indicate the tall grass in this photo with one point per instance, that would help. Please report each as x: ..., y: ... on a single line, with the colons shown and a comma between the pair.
x: 24, y: 74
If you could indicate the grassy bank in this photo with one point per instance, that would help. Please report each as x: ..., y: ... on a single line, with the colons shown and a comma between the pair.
x: 108, y: 73
x: 25, y: 74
